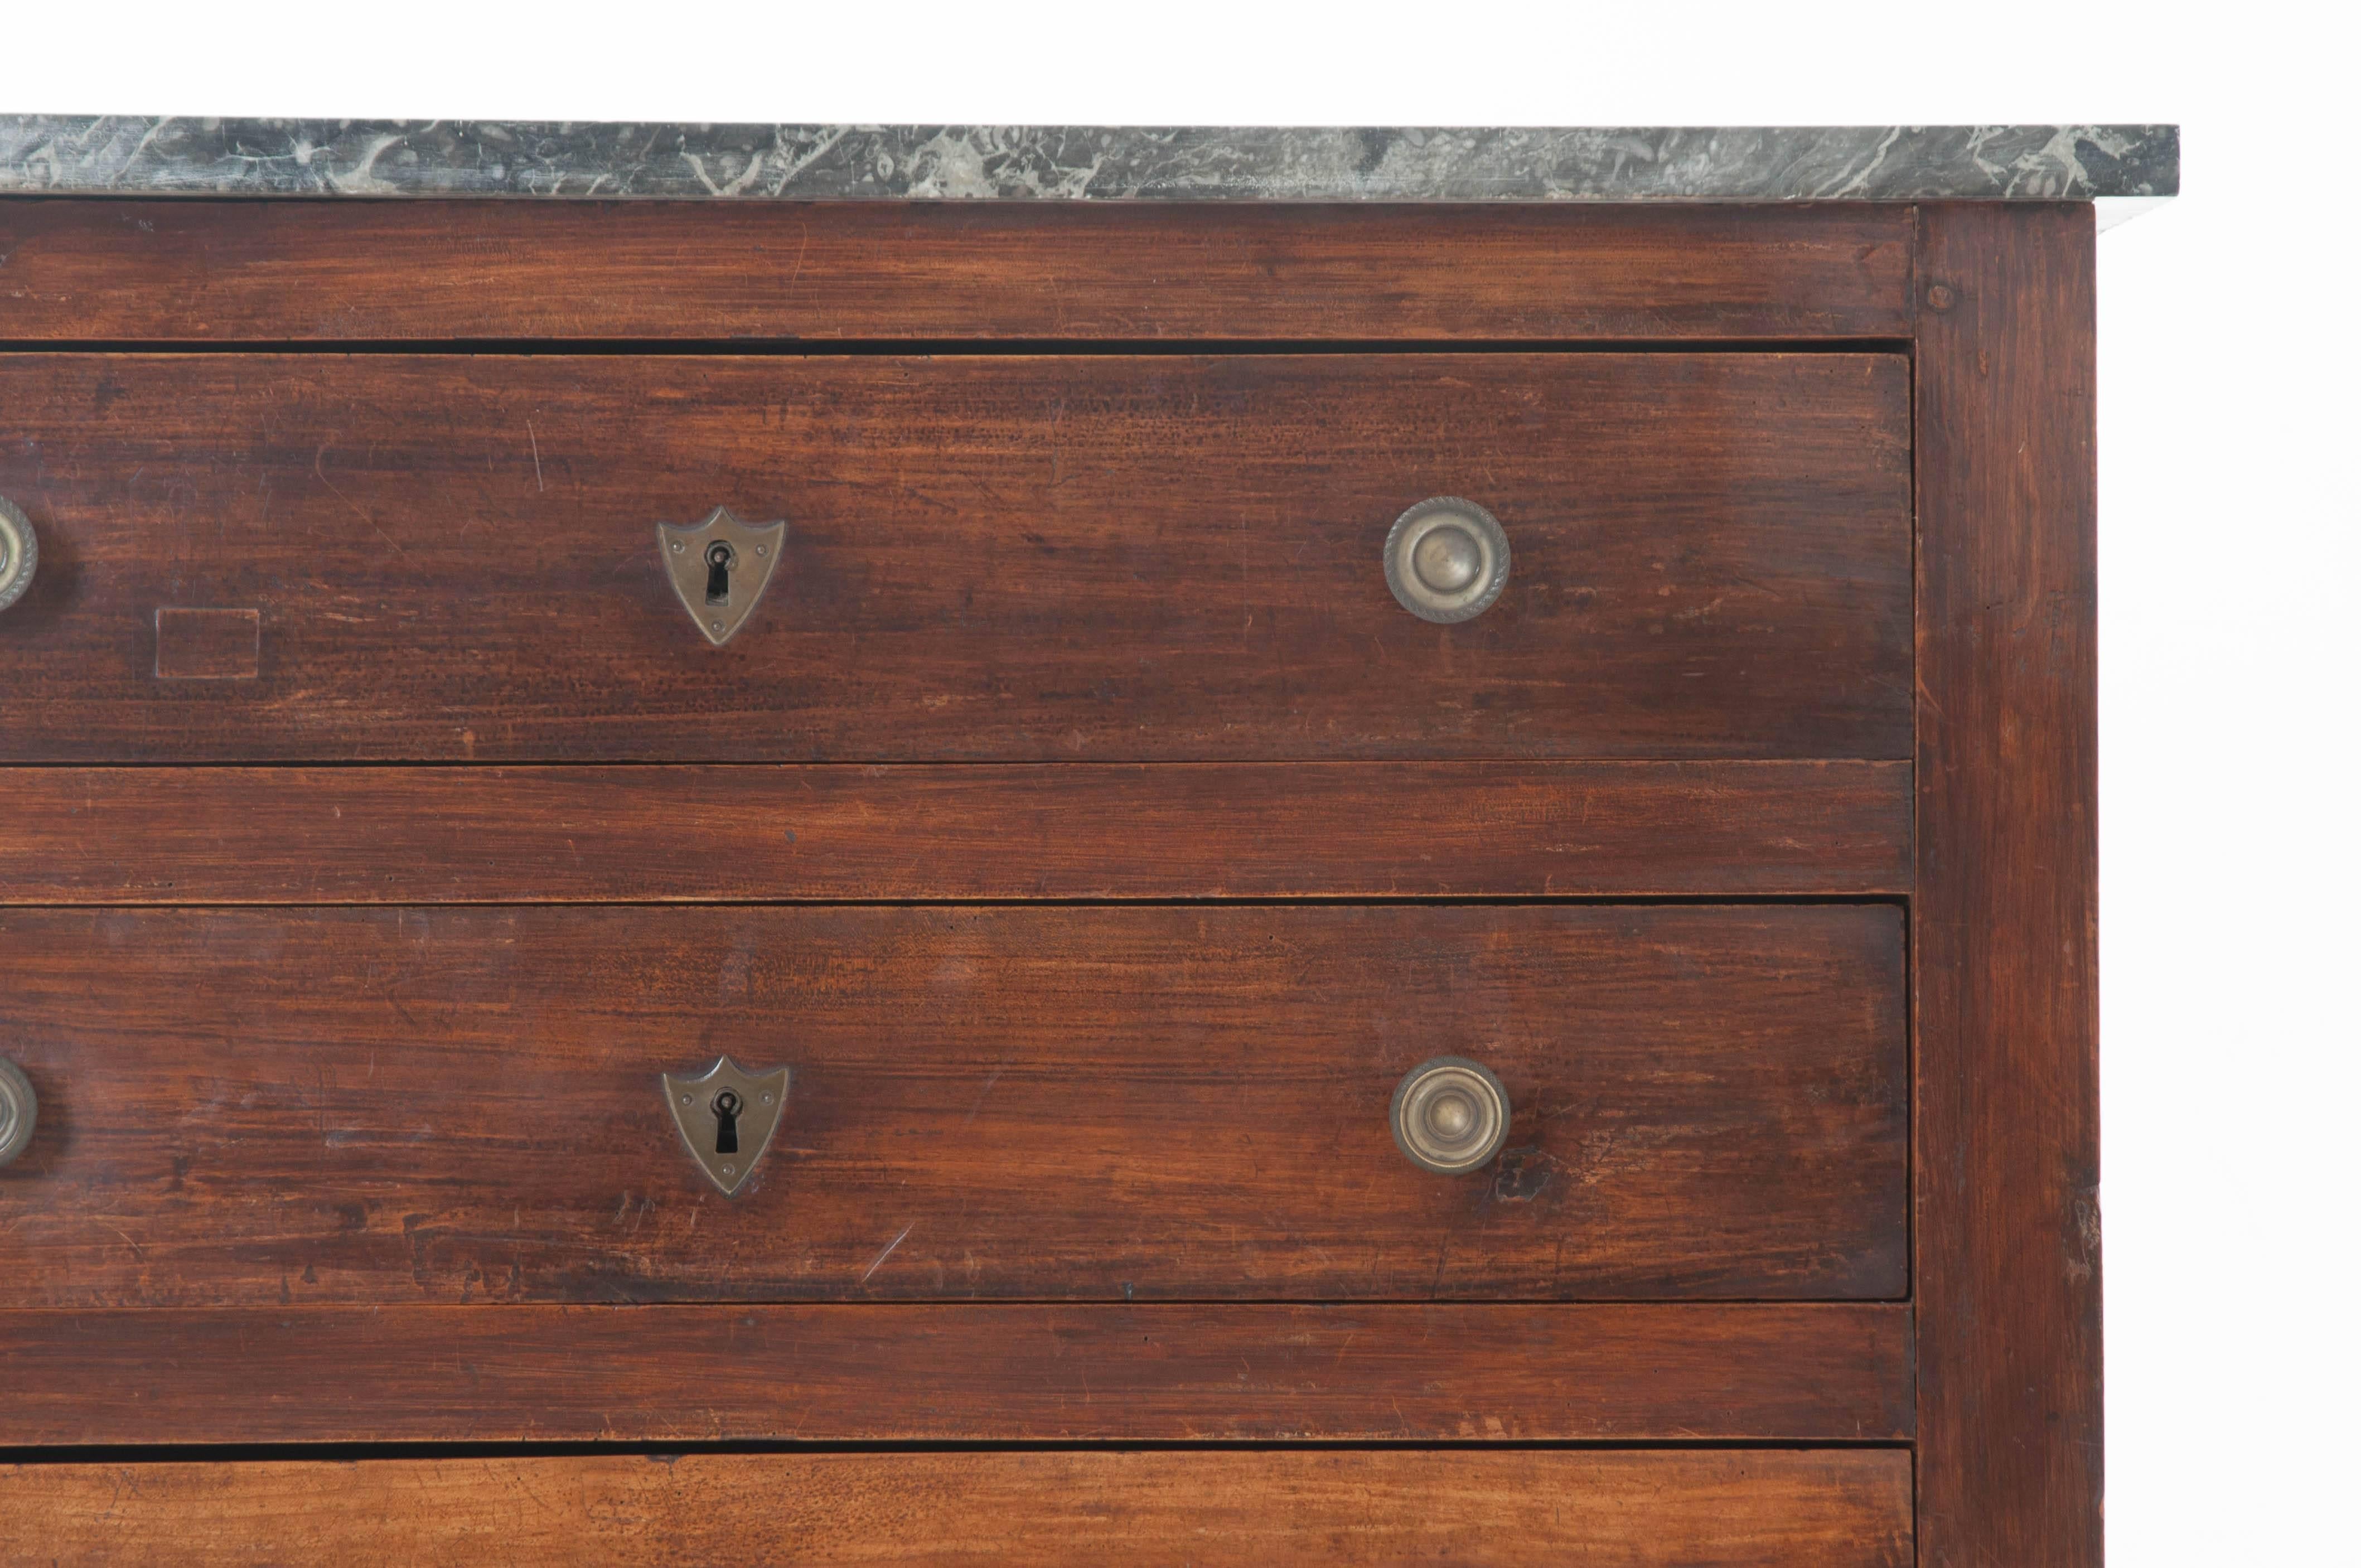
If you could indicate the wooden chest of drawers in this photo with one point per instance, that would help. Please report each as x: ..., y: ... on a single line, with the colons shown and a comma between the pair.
x: 559, y: 1023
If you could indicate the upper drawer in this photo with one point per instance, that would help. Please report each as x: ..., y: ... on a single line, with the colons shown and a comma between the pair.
x: 1007, y: 557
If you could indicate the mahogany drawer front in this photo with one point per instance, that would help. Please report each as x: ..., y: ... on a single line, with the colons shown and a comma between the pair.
x: 1003, y: 557
x: 1826, y: 1509
x: 272, y: 1107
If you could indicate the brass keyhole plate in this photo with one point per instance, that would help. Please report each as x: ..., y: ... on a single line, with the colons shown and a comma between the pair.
x: 719, y: 568
x: 755, y: 1102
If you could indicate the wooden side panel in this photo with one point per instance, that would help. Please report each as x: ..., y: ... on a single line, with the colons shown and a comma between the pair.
x: 960, y: 1374
x: 1742, y: 1509
x: 405, y: 271
x: 2006, y: 914
x: 219, y: 836
x: 1110, y: 1102
x: 990, y: 558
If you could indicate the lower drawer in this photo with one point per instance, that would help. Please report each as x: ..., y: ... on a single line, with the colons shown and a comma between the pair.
x: 265, y: 1109
x: 1762, y: 1509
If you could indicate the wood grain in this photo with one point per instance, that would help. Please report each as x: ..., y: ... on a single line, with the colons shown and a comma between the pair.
x: 1742, y: 1509
x: 969, y: 1373
x: 1015, y: 558
x: 1108, y: 1103
x: 229, y: 836
x: 2005, y: 925
x: 352, y: 271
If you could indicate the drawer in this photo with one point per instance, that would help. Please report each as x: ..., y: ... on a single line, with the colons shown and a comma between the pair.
x: 1114, y: 1103
x: 1733, y: 1509
x: 993, y: 557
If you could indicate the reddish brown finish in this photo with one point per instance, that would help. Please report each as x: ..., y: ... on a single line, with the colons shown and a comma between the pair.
x: 960, y: 1374
x: 219, y: 836
x: 232, y: 271
x: 1010, y: 558
x: 208, y: 644
x: 1017, y: 559
x: 2006, y: 928
x: 1813, y: 1509
x: 1114, y: 1102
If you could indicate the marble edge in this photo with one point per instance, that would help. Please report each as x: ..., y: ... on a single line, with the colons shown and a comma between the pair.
x: 136, y: 156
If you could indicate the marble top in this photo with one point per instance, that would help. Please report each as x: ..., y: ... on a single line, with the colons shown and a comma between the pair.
x: 132, y: 154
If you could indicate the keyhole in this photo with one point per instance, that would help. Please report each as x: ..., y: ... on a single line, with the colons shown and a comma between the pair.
x: 726, y: 1106
x: 719, y: 559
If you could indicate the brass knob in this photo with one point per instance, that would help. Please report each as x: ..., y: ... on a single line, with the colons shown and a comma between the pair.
x: 16, y: 1108
x: 1446, y: 560
x: 1450, y: 1116
x: 19, y: 552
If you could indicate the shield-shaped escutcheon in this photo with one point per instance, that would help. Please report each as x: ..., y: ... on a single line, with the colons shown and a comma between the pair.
x: 726, y: 1116
x: 719, y: 568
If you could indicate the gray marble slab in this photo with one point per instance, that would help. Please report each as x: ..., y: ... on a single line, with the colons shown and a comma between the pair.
x: 130, y: 155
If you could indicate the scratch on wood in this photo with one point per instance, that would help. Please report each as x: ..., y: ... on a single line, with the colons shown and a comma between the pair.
x: 881, y: 1256
x: 319, y: 468
x: 982, y: 1093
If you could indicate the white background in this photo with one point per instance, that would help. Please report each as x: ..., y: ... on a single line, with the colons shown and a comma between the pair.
x: 2228, y: 556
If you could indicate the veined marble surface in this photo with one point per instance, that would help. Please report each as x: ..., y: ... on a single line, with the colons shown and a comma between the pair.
x: 132, y: 154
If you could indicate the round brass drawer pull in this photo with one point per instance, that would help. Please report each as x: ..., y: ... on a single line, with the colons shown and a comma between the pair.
x: 20, y: 553
x: 16, y: 1108
x: 1446, y: 560
x: 1450, y: 1116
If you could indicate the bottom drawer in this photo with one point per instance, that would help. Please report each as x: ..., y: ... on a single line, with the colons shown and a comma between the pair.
x: 1764, y: 1510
